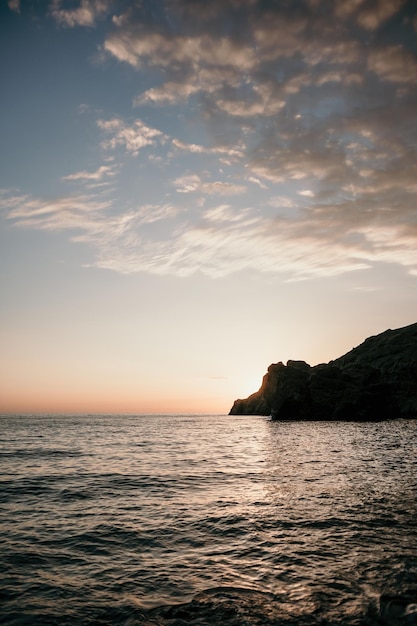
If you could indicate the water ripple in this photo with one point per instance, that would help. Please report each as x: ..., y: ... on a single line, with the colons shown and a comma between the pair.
x: 204, y: 520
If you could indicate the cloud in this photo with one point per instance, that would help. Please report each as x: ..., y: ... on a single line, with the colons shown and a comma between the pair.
x: 136, y: 46
x: 9, y: 198
x: 197, y: 80
x: 90, y: 220
x: 193, y: 183
x: 150, y: 213
x: 279, y: 202
x: 312, y: 106
x: 264, y: 103
x: 234, y: 152
x: 228, y: 214
x: 274, y: 61
x: 85, y: 14
x: 256, y: 181
x: 345, y: 8
x: 319, y: 162
x: 271, y: 61
x: 14, y: 5
x: 81, y: 212
x: 314, y: 240
x: 192, y: 147
x: 102, y: 172
x: 374, y: 14
x: 369, y: 14
x: 134, y: 137
x: 394, y: 64
x: 169, y: 93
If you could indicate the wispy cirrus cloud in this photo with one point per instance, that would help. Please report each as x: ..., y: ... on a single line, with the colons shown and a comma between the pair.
x: 314, y: 240
x: 193, y: 183
x: 222, y: 151
x: 55, y: 214
x: 104, y: 171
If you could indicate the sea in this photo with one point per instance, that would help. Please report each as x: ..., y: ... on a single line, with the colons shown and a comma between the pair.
x: 206, y: 519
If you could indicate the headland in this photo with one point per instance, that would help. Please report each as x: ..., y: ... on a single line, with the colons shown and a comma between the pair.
x: 375, y: 380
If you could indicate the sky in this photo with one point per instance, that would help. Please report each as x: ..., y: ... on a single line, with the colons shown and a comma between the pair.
x: 191, y: 190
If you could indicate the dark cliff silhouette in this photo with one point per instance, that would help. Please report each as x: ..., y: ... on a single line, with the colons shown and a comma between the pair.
x: 376, y: 380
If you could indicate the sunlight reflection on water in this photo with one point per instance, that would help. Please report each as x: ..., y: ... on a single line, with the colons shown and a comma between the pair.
x: 103, y: 510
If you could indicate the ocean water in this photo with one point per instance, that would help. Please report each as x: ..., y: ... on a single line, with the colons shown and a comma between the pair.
x: 207, y: 519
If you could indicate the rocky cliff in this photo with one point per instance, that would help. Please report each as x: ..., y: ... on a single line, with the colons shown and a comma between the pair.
x: 376, y: 380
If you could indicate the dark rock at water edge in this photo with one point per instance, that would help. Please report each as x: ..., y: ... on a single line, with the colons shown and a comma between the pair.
x: 376, y: 380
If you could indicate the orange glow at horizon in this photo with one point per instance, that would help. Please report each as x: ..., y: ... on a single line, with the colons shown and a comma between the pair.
x: 91, y: 396
x: 84, y: 402
x: 183, y: 373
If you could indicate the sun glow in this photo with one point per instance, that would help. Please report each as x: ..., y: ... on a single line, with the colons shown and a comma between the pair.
x: 157, y: 254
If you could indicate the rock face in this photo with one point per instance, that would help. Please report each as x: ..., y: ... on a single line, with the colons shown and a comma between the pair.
x: 376, y: 380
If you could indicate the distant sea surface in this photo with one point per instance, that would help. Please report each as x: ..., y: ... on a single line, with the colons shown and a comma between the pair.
x: 207, y: 519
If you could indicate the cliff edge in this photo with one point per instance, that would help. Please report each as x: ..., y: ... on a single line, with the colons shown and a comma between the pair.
x: 375, y: 380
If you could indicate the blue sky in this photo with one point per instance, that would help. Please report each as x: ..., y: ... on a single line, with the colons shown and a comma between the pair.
x: 192, y: 190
